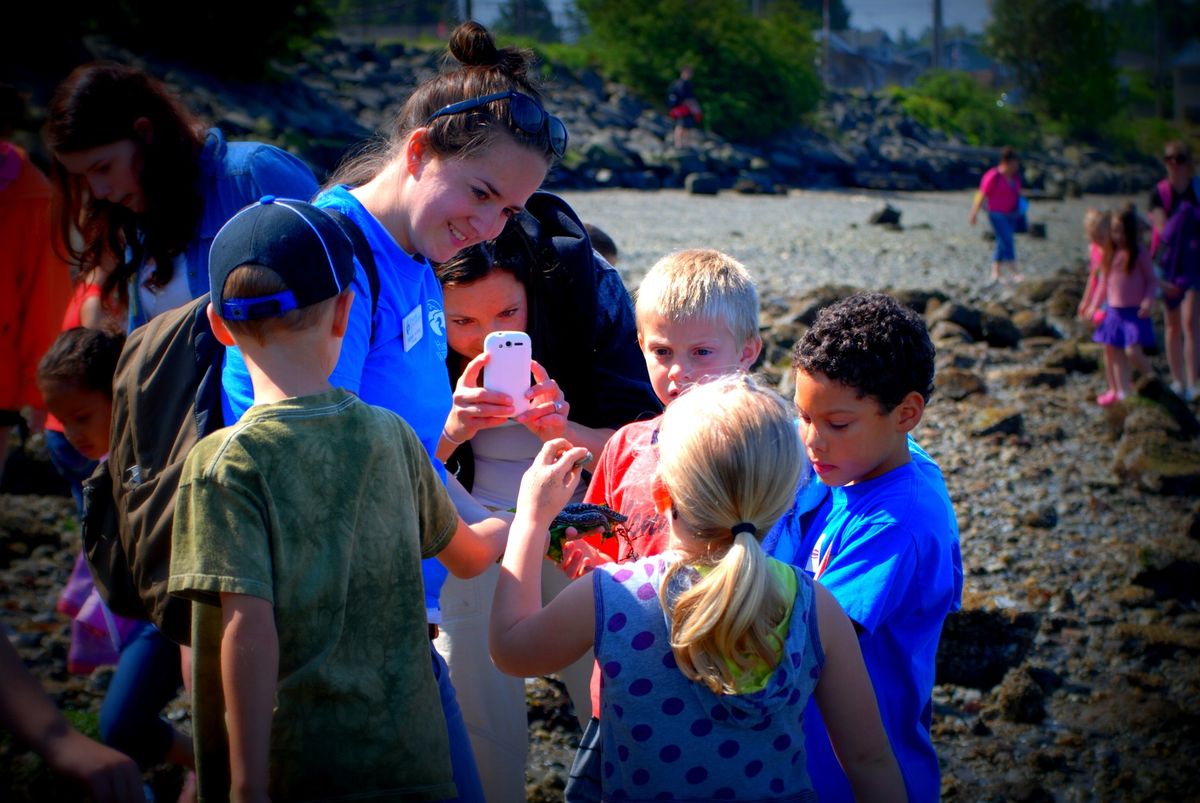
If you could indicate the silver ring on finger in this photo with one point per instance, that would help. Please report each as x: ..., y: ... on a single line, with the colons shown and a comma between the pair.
x: 557, y: 406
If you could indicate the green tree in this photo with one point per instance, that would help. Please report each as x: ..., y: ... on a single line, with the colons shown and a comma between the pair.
x: 1141, y: 23
x: 232, y: 37
x: 753, y: 76
x: 1061, y: 52
x: 530, y: 18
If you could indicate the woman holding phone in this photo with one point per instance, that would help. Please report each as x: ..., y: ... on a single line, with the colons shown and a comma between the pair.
x: 542, y: 277
x: 467, y: 150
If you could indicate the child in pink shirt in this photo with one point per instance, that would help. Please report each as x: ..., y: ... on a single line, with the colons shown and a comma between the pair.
x: 1096, y: 224
x: 1130, y: 292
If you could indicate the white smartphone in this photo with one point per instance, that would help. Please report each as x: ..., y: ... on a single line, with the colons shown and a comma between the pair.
x: 507, y: 368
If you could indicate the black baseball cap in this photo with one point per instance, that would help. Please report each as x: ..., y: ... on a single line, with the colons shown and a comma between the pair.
x: 303, y: 244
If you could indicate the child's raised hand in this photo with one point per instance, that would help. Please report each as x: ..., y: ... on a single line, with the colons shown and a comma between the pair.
x: 548, y: 408
x: 475, y: 407
x: 549, y: 482
x: 580, y: 557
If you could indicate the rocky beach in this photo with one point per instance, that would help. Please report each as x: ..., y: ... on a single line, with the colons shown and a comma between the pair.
x: 1071, y: 672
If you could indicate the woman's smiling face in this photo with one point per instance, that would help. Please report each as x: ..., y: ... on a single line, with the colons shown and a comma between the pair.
x: 456, y: 203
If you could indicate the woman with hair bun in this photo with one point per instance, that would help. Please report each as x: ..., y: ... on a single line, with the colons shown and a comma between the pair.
x: 466, y: 151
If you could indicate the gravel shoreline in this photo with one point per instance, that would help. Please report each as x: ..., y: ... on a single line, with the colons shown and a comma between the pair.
x: 807, y: 238
x: 1071, y: 673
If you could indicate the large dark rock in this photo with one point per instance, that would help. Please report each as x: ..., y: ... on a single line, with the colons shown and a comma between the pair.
x: 702, y: 184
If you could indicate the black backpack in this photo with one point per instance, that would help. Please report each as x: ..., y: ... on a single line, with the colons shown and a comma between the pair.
x: 166, y: 397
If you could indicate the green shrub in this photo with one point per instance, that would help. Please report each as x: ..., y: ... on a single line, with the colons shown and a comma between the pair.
x: 753, y: 76
x: 954, y: 102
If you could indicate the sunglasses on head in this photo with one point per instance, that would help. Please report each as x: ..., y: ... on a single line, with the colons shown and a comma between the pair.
x: 1175, y: 158
x: 527, y: 113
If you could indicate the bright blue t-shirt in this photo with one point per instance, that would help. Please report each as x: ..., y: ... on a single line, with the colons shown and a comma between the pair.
x: 887, y: 549
x: 401, y: 365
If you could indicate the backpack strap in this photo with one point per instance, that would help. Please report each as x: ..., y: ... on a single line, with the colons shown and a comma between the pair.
x: 366, y: 257
x: 1165, y: 195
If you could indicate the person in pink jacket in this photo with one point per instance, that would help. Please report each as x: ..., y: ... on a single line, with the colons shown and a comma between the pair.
x: 1001, y: 189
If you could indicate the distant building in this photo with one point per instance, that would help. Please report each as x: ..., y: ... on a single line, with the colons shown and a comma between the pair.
x: 960, y: 54
x: 865, y: 60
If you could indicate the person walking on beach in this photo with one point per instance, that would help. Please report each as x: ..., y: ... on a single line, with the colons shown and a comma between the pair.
x: 684, y: 108
x: 1001, y: 189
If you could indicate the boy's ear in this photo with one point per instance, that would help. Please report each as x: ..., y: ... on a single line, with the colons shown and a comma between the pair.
x: 220, y: 331
x: 750, y: 351
x: 341, y: 312
x: 909, y: 411
x: 660, y: 495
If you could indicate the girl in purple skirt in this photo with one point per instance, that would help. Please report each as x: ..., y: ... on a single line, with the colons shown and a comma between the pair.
x: 1126, y: 328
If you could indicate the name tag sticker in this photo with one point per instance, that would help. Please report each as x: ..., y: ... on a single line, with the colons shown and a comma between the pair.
x: 414, y: 328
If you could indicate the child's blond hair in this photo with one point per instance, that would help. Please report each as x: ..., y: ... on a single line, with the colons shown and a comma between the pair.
x: 700, y: 283
x: 1096, y: 221
x: 730, y: 458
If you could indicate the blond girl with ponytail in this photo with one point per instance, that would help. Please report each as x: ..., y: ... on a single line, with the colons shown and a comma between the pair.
x: 710, y: 651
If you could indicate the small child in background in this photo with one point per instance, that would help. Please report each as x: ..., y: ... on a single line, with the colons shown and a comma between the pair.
x: 87, y: 307
x: 1131, y: 287
x: 602, y: 243
x: 1096, y: 225
x: 75, y: 377
x: 711, y: 650
x: 885, y: 541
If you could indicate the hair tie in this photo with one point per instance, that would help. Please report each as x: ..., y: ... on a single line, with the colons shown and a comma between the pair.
x: 743, y: 527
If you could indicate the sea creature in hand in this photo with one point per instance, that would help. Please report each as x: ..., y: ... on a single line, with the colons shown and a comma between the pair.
x: 585, y: 519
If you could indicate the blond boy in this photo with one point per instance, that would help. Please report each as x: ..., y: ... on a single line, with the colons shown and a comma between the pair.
x: 697, y: 317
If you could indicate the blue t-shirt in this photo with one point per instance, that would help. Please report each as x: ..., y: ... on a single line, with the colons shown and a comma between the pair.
x: 232, y: 175
x: 785, y: 540
x: 401, y: 365
x: 887, y: 549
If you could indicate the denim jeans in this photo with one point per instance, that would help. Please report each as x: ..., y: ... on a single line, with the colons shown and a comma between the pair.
x: 148, y: 677
x: 1002, y: 224
x: 466, y: 776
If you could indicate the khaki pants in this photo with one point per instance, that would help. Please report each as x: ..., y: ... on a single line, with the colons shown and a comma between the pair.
x: 493, y: 704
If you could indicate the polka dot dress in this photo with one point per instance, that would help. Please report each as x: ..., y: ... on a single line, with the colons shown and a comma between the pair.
x: 668, y: 738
